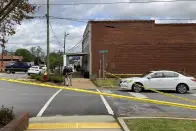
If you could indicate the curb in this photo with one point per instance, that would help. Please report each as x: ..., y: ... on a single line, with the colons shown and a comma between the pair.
x: 125, y: 128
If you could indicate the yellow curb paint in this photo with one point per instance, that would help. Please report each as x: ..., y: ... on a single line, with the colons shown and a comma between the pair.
x: 106, y: 94
x: 48, y: 126
x: 163, y: 93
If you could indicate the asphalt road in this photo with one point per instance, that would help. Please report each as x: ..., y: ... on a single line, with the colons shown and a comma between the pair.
x: 123, y: 107
x: 32, y: 99
x: 17, y: 75
x: 27, y: 98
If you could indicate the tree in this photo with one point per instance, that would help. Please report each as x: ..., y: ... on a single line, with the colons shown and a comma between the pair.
x: 12, y: 12
x: 27, y: 56
x: 38, y: 55
x: 56, y: 60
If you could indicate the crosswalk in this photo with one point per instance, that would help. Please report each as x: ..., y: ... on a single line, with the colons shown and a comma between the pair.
x: 138, y: 95
x: 155, y: 96
x: 193, y: 94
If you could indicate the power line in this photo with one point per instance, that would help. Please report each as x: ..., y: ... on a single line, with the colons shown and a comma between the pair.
x: 130, y: 2
x: 55, y: 35
x: 71, y: 19
x: 86, y: 20
x: 76, y: 45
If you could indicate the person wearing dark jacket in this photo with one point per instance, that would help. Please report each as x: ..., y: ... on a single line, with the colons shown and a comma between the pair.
x: 67, y: 73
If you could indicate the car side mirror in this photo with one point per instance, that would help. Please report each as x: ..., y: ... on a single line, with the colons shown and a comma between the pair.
x: 148, y: 78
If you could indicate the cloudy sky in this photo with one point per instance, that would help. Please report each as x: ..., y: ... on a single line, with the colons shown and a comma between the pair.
x: 33, y: 32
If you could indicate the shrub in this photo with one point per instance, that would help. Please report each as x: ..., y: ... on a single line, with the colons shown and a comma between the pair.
x: 50, y: 78
x: 56, y: 78
x: 6, y: 115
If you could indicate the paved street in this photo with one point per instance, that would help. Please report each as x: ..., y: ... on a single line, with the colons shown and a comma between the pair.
x: 123, y: 107
x: 17, y: 75
x: 51, y: 102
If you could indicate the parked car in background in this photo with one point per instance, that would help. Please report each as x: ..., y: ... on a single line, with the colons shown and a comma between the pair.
x: 43, y: 67
x: 36, y: 70
x: 160, y: 80
x: 17, y: 67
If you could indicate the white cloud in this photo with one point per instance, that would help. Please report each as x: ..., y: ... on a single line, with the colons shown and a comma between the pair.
x: 33, y: 32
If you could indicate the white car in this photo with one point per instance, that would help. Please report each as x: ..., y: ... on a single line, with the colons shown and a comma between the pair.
x: 160, y: 80
x: 36, y: 70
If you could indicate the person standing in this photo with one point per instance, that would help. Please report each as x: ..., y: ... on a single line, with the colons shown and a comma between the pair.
x: 67, y: 73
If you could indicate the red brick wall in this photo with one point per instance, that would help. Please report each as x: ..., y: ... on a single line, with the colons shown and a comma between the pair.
x: 140, y: 46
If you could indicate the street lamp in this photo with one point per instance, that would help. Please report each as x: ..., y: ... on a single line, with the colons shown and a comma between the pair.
x: 65, y: 36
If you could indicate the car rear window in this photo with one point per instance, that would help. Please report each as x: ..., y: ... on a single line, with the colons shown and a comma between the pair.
x: 170, y: 74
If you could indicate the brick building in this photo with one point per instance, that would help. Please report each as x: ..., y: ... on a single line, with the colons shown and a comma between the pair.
x: 139, y: 46
x: 7, y: 59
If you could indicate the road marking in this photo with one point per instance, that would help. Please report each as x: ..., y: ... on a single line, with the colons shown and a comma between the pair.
x: 109, y: 109
x: 48, y: 103
x: 48, y: 126
x: 193, y: 94
x: 152, y: 101
x: 138, y: 95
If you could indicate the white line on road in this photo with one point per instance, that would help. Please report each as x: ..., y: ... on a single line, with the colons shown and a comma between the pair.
x: 138, y: 95
x: 109, y: 109
x: 48, y: 103
x: 193, y: 94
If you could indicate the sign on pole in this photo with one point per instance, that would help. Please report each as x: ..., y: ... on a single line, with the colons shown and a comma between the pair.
x: 103, y: 51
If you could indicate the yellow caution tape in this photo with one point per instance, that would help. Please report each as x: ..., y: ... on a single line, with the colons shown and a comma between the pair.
x: 106, y: 94
x: 163, y: 93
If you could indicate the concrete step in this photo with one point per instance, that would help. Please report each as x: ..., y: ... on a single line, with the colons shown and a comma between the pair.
x: 80, y: 130
x: 74, y: 123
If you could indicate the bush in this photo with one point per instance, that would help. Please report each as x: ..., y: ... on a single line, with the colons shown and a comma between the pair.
x: 56, y: 78
x: 50, y: 78
x: 37, y: 77
x: 6, y: 115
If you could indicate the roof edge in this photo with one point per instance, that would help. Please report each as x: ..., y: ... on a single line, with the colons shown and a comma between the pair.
x: 140, y: 21
x: 120, y: 21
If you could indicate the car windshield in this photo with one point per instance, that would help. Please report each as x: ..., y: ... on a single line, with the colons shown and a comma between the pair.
x: 9, y: 64
x: 34, y: 67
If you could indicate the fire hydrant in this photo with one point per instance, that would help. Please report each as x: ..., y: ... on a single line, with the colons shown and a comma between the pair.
x: 45, y: 76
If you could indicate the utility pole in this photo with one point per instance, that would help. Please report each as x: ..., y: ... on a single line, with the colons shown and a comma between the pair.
x: 48, y: 36
x: 3, y: 47
x: 65, y: 36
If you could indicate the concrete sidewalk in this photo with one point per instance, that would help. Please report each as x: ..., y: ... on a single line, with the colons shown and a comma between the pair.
x: 82, y: 83
x: 74, y: 123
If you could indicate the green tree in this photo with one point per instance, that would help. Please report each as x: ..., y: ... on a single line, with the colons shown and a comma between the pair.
x: 56, y: 60
x: 38, y: 55
x: 12, y: 12
x: 27, y: 56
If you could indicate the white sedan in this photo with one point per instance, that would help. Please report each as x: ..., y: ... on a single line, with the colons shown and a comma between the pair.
x: 36, y: 70
x: 160, y: 80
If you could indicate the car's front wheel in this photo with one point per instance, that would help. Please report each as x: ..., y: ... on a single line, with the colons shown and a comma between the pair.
x: 182, y: 88
x: 137, y: 87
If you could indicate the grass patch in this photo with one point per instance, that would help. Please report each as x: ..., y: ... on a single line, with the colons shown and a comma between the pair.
x: 160, y: 125
x: 106, y: 83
